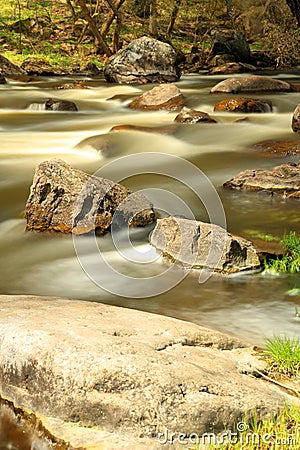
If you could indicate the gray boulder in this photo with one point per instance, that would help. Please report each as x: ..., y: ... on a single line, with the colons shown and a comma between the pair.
x: 282, y: 180
x: 296, y: 120
x: 200, y: 245
x: 7, y: 68
x: 232, y: 43
x: 253, y: 83
x: 145, y: 60
x: 71, y: 201
x: 118, y: 372
x: 164, y: 96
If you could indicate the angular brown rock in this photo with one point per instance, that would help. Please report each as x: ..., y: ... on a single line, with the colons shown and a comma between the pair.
x: 244, y: 104
x: 68, y: 200
x: 254, y: 83
x: 164, y: 96
x: 281, y: 180
x: 277, y: 147
x: 203, y: 245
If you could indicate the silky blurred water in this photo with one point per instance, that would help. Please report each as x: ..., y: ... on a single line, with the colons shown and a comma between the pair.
x: 252, y: 306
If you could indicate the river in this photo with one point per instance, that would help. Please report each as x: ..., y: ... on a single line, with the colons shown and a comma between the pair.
x: 252, y: 306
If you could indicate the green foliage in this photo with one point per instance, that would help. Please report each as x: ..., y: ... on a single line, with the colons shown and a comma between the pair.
x: 283, y: 354
x: 290, y: 261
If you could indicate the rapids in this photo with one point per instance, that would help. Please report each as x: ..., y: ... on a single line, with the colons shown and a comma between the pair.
x: 252, y: 306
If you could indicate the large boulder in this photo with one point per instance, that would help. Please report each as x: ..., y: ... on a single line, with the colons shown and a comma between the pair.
x: 253, y: 83
x: 296, y: 120
x: 164, y: 96
x: 281, y: 180
x: 145, y: 60
x: 200, y: 245
x: 71, y: 201
x: 244, y: 104
x: 115, y: 372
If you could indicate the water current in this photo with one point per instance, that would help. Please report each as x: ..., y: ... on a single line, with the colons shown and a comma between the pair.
x: 251, y: 306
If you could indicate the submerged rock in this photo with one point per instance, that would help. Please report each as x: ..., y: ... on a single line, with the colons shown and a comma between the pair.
x: 277, y: 147
x: 253, y: 83
x: 71, y: 201
x: 164, y: 96
x: 112, y: 369
x: 145, y: 60
x: 281, y: 180
x: 188, y: 115
x: 203, y: 245
x: 53, y: 105
x: 244, y: 104
x: 296, y: 120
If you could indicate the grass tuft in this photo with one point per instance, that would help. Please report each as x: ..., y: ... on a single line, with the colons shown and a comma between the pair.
x: 283, y: 354
x: 289, y: 262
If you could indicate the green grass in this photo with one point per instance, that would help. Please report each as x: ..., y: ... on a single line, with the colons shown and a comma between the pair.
x: 277, y: 433
x: 283, y: 355
x: 289, y: 262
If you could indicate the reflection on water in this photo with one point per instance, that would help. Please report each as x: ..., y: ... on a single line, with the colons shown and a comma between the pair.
x: 251, y: 306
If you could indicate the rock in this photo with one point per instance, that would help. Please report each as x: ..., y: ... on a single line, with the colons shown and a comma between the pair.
x: 101, y: 143
x: 122, y: 372
x: 231, y: 67
x: 296, y: 120
x: 38, y: 66
x: 7, y: 68
x: 233, y: 43
x: 187, y: 115
x: 71, y: 201
x: 164, y: 96
x: 2, y: 78
x: 78, y: 85
x: 163, y: 129
x: 253, y: 83
x: 277, y: 147
x: 145, y: 60
x: 53, y: 105
x: 281, y: 180
x: 244, y: 104
x: 203, y: 245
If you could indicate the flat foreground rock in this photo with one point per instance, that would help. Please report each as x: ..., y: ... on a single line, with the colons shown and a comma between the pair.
x: 71, y: 201
x: 243, y: 104
x: 115, y: 369
x: 203, y: 245
x: 281, y: 180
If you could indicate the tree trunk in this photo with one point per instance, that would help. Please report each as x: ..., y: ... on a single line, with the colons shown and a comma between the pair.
x: 294, y: 6
x: 93, y: 27
x: 106, y: 25
x: 153, y: 19
x: 173, y: 18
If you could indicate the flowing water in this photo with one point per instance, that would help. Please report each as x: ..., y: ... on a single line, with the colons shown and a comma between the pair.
x: 252, y: 306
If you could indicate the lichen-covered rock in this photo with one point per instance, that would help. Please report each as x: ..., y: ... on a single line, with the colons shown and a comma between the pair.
x: 164, y: 96
x: 232, y: 43
x: 253, y: 83
x: 281, y: 180
x: 8, y: 68
x: 145, y: 60
x: 244, y: 104
x: 296, y: 120
x: 38, y: 66
x: 231, y: 67
x: 203, y: 245
x: 68, y: 200
x: 188, y: 115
